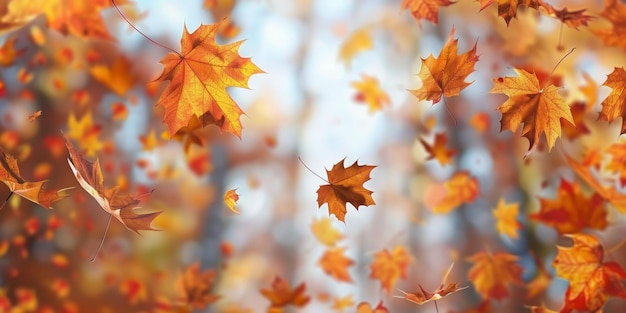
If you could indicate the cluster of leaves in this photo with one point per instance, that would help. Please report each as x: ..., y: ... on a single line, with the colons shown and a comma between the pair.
x: 60, y: 39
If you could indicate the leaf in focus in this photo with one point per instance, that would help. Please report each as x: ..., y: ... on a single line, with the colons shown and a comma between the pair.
x: 615, y: 12
x: 445, y: 75
x: 422, y: 296
x: 195, y: 288
x: 388, y: 267
x: 345, y: 185
x: 230, y: 199
x: 324, y: 231
x: 85, y: 132
x: 461, y: 188
x: 506, y: 218
x: 199, y: 76
x: 369, y: 91
x: 539, y: 108
x: 507, y: 9
x: 614, y: 105
x: 335, y: 263
x: 341, y: 304
x: 358, y: 41
x: 281, y: 294
x: 31, y: 191
x: 438, y: 149
x: 492, y: 273
x: 591, y: 280
x: 120, y: 206
x: 365, y: 307
x: 425, y: 9
x: 571, y: 212
x: 117, y: 76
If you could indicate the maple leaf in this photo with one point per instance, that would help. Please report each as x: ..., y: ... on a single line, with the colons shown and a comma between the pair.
x: 116, y: 76
x: 8, y: 52
x: 340, y: 304
x: 120, y: 206
x: 579, y: 128
x: 388, y: 267
x: 31, y: 191
x: 422, y: 296
x: 445, y: 75
x: 282, y: 294
x: 507, y: 9
x: 492, y: 273
x: 195, y: 288
x: 369, y: 91
x: 365, y: 307
x: 591, y: 280
x: 199, y: 76
x: 615, y: 12
x: 573, y: 19
x: 357, y: 42
x: 614, y: 105
x: 425, y: 9
x: 609, y: 193
x: 324, y: 232
x: 335, y: 263
x: 345, y: 185
x: 460, y: 188
x: 571, y: 211
x: 438, y: 149
x: 221, y: 10
x: 539, y: 108
x: 506, y: 218
x: 85, y: 132
x: 230, y: 199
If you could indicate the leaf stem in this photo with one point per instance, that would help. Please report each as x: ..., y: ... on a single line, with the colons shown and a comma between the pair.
x: 557, y: 65
x: 141, y: 33
x: 560, y: 44
x: 436, y: 307
x: 102, y: 242
x: 310, y: 170
x: 448, y: 109
x: 6, y: 200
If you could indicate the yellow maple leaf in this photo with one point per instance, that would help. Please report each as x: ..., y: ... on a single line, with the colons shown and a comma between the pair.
x: 85, y: 132
x: 369, y: 91
x: 116, y: 76
x: 323, y: 230
x: 506, y: 218
x: 358, y: 41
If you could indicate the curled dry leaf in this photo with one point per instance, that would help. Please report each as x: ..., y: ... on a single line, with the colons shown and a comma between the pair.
x: 230, y: 199
x: 195, y: 288
x: 120, y: 206
x: 422, y: 296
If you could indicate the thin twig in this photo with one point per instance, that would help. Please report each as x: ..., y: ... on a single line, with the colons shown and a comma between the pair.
x: 102, y: 242
x: 322, y: 178
x: 436, y: 307
x: 6, y: 200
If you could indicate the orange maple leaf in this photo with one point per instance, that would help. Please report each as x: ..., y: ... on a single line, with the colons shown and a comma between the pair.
x: 195, y: 288
x: 116, y: 76
x: 8, y: 53
x: 335, y: 263
x: 591, y: 280
x: 425, y: 9
x: 199, y: 77
x: 614, y: 105
x: 282, y: 294
x: 460, y: 188
x: 579, y: 110
x: 369, y: 91
x: 85, y: 132
x: 573, y: 19
x: 571, y: 211
x: 615, y: 12
x: 438, y: 149
x: 230, y: 199
x: 445, y: 75
x: 388, y: 267
x: 324, y: 232
x: 365, y: 307
x: 507, y: 9
x: 492, y: 273
x: 506, y: 218
x: 609, y: 193
x: 120, y: 206
x: 539, y: 108
x: 345, y: 185
x: 31, y: 191
x: 422, y: 296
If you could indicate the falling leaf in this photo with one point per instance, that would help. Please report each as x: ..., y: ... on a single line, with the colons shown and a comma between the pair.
x: 8, y: 53
x: 281, y: 294
x: 119, y: 111
x: 492, y: 273
x: 369, y: 91
x: 540, y: 309
x: 335, y: 263
x: 388, y: 267
x: 230, y: 199
x: 116, y: 76
x: 85, y: 132
x: 579, y: 110
x: 341, y: 304
x: 148, y: 142
x: 571, y: 211
x: 590, y: 90
x: 34, y: 116
x: 345, y: 185
x: 573, y: 19
x: 506, y: 218
x: 480, y: 121
x: 445, y: 75
x: 609, y: 193
x: 31, y: 191
x: 614, y: 11
x: 539, y: 108
x: 438, y: 150
x: 591, y: 279
x: 120, y: 206
x: 365, y: 307
x: 422, y: 296
x: 507, y: 9
x: 425, y: 9
x: 324, y: 232
x: 199, y: 76
x: 359, y: 41
x: 614, y: 105
x: 460, y: 188
x: 195, y: 288
x: 221, y: 10
x: 134, y: 290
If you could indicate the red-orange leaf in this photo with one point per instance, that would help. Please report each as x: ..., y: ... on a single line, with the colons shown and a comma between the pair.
x: 492, y: 273
x: 425, y: 9
x: 438, y: 149
x: 591, y: 280
x: 615, y: 12
x: 281, y: 294
x: 445, y: 75
x: 365, y: 307
x: 460, y: 188
x: 614, y: 105
x: 422, y: 296
x: 507, y: 9
x: 345, y: 185
x: 388, y: 267
x: 335, y: 263
x: 199, y: 77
